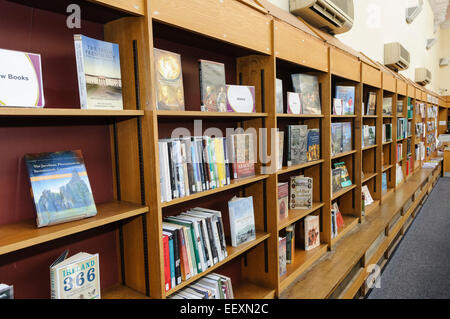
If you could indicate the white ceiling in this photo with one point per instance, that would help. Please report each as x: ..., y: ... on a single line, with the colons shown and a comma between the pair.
x: 441, y: 10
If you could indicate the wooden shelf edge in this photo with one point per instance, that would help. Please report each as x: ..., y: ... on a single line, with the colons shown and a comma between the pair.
x: 368, y: 177
x: 342, y: 192
x: 122, y: 292
x: 296, y: 214
x: 287, y: 169
x: 285, y: 115
x: 25, y: 234
x: 350, y: 223
x: 165, y: 113
x: 248, y: 290
x: 343, y: 154
x: 66, y: 112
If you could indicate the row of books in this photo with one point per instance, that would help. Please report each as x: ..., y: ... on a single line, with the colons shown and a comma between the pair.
x: 341, y: 137
x: 198, y: 163
x: 368, y: 136
x: 339, y: 177
x: 297, y: 194
x: 306, y: 96
x: 387, y: 132
x: 211, y: 286
x: 403, y: 128
x: 303, y: 144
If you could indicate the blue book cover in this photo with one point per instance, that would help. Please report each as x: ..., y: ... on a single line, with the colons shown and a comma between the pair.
x: 242, y: 220
x: 60, y: 187
x: 383, y: 182
x: 313, y: 153
x: 172, y: 261
x: 347, y: 95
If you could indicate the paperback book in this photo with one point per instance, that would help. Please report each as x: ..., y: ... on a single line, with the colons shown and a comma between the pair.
x: 213, y: 87
x: 301, y: 192
x: 294, y: 104
x: 313, y: 146
x: 297, y: 144
x: 347, y: 95
x: 60, y: 187
x: 371, y: 103
x: 308, y: 86
x: 283, y: 200
x: 387, y: 106
x: 169, y: 80
x: 345, y: 178
x: 311, y: 232
x: 99, y: 76
x: 282, y: 255
x: 279, y: 96
x: 242, y: 220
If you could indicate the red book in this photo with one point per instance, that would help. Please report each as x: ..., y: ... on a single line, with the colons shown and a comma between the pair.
x: 185, y: 270
x: 166, y: 262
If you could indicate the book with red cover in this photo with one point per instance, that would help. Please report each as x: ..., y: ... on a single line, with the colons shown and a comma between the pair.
x: 166, y: 262
x: 339, y: 219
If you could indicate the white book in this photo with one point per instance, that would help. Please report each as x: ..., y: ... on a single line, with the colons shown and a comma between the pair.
x: 242, y: 220
x: 206, y: 236
x: 215, y: 244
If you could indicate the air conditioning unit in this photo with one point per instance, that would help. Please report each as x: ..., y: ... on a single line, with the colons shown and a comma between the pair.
x: 396, y: 57
x: 423, y: 76
x: 331, y: 16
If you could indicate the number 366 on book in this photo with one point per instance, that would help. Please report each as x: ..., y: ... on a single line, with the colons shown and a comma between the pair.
x: 77, y: 277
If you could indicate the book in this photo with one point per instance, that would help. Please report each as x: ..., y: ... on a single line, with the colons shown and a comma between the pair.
x: 76, y: 277
x: 336, y: 138
x: 301, y: 196
x: 308, y: 87
x: 294, y: 104
x: 283, y: 200
x: 336, y: 180
x: 345, y: 178
x: 176, y: 258
x: 371, y: 103
x: 399, y: 108
x: 99, y: 77
x: 367, y: 197
x: 338, y: 107
x: 21, y: 83
x: 242, y: 220
x: 241, y: 98
x: 339, y: 219
x: 243, y: 155
x: 383, y: 182
x: 290, y: 244
x: 311, y: 232
x: 347, y: 95
x: 279, y: 95
x: 167, y: 263
x: 313, y: 145
x: 296, y: 143
x: 184, y: 270
x: 168, y: 80
x: 387, y: 106
x: 212, y: 86
x: 60, y: 187
x: 282, y: 255
x: 347, y: 145
x: 369, y: 136
x: 6, y: 291
x: 280, y: 149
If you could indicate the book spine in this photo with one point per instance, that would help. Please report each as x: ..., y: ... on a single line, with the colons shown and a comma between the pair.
x: 206, y: 244
x: 176, y: 250
x: 200, y: 165
x: 227, y: 160
x: 205, y: 166
x: 166, y: 263
x: 81, y: 74
x: 289, y: 146
x: 221, y: 234
x: 173, y: 182
x: 212, y: 242
x: 172, y: 263
x: 202, y: 94
x: 184, y: 261
x: 208, y: 162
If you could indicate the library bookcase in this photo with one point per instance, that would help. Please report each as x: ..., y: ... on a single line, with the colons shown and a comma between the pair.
x: 258, y: 43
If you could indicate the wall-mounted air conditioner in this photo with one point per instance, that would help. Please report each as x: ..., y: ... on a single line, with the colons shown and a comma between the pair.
x: 396, y: 57
x: 423, y: 76
x: 331, y: 16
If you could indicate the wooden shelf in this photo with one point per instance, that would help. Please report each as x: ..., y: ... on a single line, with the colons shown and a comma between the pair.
x: 387, y: 167
x: 343, y: 154
x: 387, y: 193
x: 233, y: 252
x: 342, y: 192
x: 122, y: 292
x: 350, y: 222
x: 200, y: 114
x: 58, y: 112
x: 287, y: 169
x: 234, y: 183
x: 248, y: 290
x: 370, y: 208
x: 302, y: 261
x: 369, y: 147
x: 26, y: 234
x: 285, y: 115
x: 297, y: 214
x: 387, y: 142
x: 343, y: 116
x: 368, y: 176
x: 370, y: 116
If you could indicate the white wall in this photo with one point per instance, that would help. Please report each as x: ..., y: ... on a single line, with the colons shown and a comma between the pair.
x: 381, y: 21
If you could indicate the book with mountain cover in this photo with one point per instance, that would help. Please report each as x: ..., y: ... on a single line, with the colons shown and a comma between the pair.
x: 60, y: 187
x: 308, y: 87
x: 242, y: 220
x: 99, y: 75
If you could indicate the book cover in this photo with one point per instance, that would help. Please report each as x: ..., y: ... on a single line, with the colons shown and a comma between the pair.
x: 339, y: 219
x: 372, y: 135
x: 6, y: 291
x: 313, y: 145
x: 383, y: 182
x: 297, y: 143
x: 283, y: 200
x: 280, y: 149
x: 243, y: 155
x: 345, y: 178
x: 347, y: 137
x: 311, y: 232
x: 336, y: 138
x: 279, y: 95
x: 60, y: 187
x: 282, y: 255
x: 167, y: 283
x: 242, y: 220
x: 294, y: 104
x: 169, y: 80
x: 387, y: 106
x: 347, y: 95
x: 400, y: 107
x: 241, y: 98
x: 290, y: 244
x: 371, y: 103
x: 338, y: 107
x: 212, y: 86
x: 21, y: 79
x: 76, y: 277
x: 308, y: 86
x: 367, y: 197
x: 99, y: 77
x: 301, y: 196
x: 336, y: 180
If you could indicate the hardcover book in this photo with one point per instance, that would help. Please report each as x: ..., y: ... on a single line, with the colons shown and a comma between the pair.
x: 400, y: 108
x: 311, y: 232
x: 347, y: 95
x: 313, y: 153
x: 243, y: 162
x: 297, y: 143
x: 294, y: 104
x: 387, y: 106
x: 241, y: 99
x: 347, y: 137
x: 60, y: 187
x: 77, y: 277
x: 336, y: 138
x: 242, y: 220
x: 308, y: 86
x: 371, y: 103
x: 20, y: 79
x: 283, y: 200
x: 301, y: 189
x: 169, y: 80
x: 212, y: 86
x: 99, y: 77
x: 336, y: 180
x: 279, y: 95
